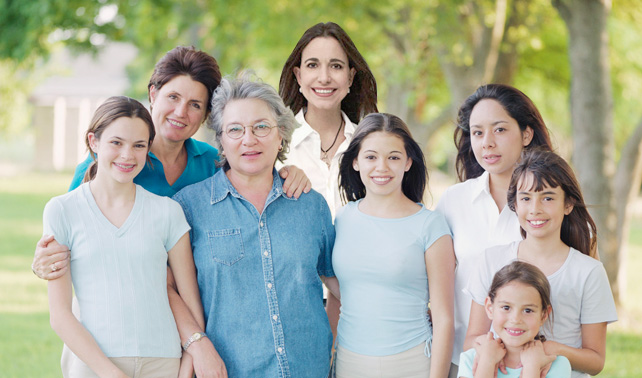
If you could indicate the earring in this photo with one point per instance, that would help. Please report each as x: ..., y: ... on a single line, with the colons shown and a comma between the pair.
x: 300, y: 90
x: 280, y: 147
x: 348, y: 89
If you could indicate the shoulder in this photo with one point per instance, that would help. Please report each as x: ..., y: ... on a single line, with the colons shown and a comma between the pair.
x: 200, y: 147
x: 459, y: 195
x: 196, y: 191
x: 580, y: 261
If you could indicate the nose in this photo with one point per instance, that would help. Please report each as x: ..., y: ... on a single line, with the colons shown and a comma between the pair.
x: 181, y: 109
x: 248, y: 136
x: 382, y: 165
x: 324, y: 75
x: 534, y: 207
x: 489, y: 140
x: 126, y: 152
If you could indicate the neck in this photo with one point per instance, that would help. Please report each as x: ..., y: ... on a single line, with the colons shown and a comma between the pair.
x: 498, y: 185
x: 394, y: 205
x: 322, y: 120
x: 254, y: 188
x: 166, y: 151
x: 110, y: 191
x: 546, y: 254
x: 512, y: 359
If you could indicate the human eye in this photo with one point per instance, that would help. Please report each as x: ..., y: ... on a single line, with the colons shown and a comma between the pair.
x: 370, y: 157
x: 140, y: 145
x: 528, y: 310
x: 172, y: 96
x: 505, y: 307
x: 196, y: 105
x: 337, y: 66
x: 312, y: 65
x: 394, y: 158
x: 115, y: 142
x: 476, y: 133
x: 234, y: 130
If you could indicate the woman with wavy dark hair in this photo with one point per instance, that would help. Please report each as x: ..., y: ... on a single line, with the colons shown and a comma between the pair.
x: 494, y: 125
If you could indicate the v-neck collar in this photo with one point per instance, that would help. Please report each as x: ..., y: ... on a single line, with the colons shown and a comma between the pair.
x: 116, y: 231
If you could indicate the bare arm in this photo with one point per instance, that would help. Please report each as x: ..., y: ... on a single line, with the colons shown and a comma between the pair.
x: 296, y: 181
x: 332, y: 283
x: 51, y: 260
x: 590, y: 357
x: 185, y: 301
x: 440, y: 267
x: 478, y: 325
x: 73, y: 333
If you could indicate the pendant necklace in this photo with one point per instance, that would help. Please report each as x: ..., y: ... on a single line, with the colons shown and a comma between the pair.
x: 324, y: 153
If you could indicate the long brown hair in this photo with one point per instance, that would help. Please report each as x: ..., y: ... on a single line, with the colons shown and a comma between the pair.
x: 112, y: 109
x: 549, y: 169
x: 362, y: 98
x: 516, y: 104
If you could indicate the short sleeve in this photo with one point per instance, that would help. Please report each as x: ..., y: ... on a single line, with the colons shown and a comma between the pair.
x: 434, y: 228
x: 54, y: 221
x: 561, y: 368
x: 79, y: 173
x: 597, y: 299
x: 177, y: 224
x: 324, y: 265
x: 466, y: 364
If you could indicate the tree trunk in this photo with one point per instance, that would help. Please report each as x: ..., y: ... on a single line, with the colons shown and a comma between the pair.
x: 592, y: 119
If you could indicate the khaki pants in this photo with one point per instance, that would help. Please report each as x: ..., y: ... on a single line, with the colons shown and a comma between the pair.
x: 412, y: 363
x: 135, y: 367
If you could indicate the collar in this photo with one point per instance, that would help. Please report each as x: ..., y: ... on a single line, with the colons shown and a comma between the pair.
x: 222, y: 187
x: 481, y: 186
x: 305, y: 130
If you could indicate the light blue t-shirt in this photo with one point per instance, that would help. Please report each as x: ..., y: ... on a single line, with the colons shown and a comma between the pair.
x: 382, y: 273
x: 120, y: 274
x: 561, y: 367
x: 201, y: 164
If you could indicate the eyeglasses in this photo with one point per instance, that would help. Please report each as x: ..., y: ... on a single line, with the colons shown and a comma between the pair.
x: 259, y: 129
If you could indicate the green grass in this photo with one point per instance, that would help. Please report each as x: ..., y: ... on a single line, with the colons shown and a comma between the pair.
x: 29, y: 348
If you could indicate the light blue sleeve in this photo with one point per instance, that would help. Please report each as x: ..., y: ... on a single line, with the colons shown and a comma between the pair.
x: 434, y: 228
x: 54, y: 221
x: 177, y: 225
x: 466, y: 364
x: 79, y: 173
x: 561, y: 368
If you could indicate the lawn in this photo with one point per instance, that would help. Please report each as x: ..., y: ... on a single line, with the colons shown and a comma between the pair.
x: 29, y: 348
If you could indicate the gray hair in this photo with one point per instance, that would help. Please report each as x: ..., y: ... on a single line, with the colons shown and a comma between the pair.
x: 248, y: 86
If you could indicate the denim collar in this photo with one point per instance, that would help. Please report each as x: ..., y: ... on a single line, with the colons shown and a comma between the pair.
x: 221, y: 187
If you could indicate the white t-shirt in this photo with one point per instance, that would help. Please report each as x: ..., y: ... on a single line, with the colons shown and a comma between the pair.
x: 476, y: 224
x: 580, y: 292
x: 120, y: 274
x: 381, y: 267
x: 305, y: 153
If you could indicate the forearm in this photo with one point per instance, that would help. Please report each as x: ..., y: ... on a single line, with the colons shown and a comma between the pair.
x: 581, y: 359
x: 186, y: 323
x: 485, y: 369
x: 442, y: 345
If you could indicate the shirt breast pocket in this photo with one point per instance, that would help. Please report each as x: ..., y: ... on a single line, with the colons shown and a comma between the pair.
x: 226, y: 245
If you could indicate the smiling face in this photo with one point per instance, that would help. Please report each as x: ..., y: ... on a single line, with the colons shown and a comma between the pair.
x: 122, y: 149
x: 382, y: 163
x: 178, y: 108
x: 250, y: 155
x: 496, y: 138
x: 540, y: 213
x: 325, y: 75
x: 516, y: 313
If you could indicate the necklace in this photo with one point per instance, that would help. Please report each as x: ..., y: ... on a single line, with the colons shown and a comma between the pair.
x: 324, y: 153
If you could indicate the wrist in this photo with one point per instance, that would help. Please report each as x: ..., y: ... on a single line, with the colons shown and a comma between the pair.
x: 196, y: 337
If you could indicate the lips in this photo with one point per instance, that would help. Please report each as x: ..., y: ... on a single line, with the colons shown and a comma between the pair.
x: 125, y: 167
x: 491, y: 158
x: 514, y: 331
x: 537, y: 223
x: 174, y: 123
x: 323, y: 92
x: 381, y: 180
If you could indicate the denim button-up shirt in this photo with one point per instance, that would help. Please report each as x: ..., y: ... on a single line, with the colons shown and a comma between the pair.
x: 258, y: 276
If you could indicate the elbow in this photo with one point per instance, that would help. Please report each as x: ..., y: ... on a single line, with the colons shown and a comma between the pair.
x: 56, y: 322
x: 598, y: 366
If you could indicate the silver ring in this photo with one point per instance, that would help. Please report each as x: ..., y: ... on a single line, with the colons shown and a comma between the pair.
x: 53, y: 267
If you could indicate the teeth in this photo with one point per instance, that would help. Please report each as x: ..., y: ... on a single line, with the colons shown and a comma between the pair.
x: 381, y: 179
x: 177, y: 124
x: 129, y: 166
x: 514, y: 332
x: 323, y: 91
x: 537, y: 223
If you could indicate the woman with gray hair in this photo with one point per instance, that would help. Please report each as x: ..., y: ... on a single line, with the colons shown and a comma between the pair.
x: 261, y: 256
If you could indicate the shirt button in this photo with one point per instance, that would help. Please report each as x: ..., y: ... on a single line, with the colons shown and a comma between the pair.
x: 265, y: 253
x: 269, y: 286
x: 279, y: 349
x: 274, y: 317
x: 261, y: 224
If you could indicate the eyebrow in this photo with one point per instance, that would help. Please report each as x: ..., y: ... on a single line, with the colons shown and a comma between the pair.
x: 190, y: 100
x: 333, y: 60
x: 492, y: 124
x: 523, y: 305
x: 137, y: 141
x: 529, y: 192
x: 399, y: 152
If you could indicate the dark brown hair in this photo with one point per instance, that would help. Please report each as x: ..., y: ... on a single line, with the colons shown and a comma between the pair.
x: 112, y: 109
x: 182, y: 60
x: 527, y: 274
x: 516, y: 104
x: 362, y: 98
x: 414, y: 181
x: 549, y: 169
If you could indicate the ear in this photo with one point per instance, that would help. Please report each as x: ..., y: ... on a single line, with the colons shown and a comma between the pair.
x: 527, y: 136
x: 93, y: 142
x: 568, y: 208
x: 297, y: 74
x: 547, y: 313
x: 408, y: 165
x: 352, y: 73
x: 355, y: 165
x: 152, y: 94
x: 488, y: 305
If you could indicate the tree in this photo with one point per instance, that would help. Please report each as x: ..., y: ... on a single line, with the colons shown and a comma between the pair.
x: 592, y: 120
